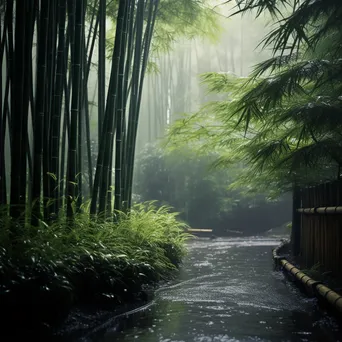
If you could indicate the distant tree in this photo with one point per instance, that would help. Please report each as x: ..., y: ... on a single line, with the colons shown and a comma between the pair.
x: 204, y: 197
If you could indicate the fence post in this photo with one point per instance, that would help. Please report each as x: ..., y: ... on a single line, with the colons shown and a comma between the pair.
x: 296, y: 220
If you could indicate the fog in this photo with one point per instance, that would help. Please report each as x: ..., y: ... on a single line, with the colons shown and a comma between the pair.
x: 173, y: 87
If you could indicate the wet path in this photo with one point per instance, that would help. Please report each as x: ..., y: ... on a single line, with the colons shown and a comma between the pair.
x: 227, y: 291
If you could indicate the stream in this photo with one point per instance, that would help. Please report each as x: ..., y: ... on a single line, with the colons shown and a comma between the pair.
x: 228, y: 291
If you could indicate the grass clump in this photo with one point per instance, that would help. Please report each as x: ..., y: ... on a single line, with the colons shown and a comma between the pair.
x: 46, y: 271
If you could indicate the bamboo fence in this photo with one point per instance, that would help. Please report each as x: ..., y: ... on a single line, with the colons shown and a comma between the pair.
x: 320, y: 226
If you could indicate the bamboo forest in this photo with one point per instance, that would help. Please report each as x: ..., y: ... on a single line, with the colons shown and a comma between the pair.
x: 170, y: 170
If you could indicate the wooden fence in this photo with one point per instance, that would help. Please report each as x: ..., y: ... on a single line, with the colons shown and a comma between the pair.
x: 318, y: 235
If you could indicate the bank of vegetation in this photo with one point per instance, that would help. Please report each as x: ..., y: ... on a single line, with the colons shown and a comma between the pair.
x: 45, y: 272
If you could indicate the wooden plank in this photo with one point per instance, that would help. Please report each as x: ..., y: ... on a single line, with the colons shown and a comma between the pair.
x: 199, y: 230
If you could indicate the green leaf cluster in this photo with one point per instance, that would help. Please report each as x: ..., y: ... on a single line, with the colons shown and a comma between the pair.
x: 205, y: 197
x: 283, y: 122
x: 84, y: 262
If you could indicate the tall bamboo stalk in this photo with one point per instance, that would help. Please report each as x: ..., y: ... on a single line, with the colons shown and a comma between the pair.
x: 57, y: 105
x: 101, y: 99
x: 3, y: 114
x: 49, y: 181
x: 104, y: 157
x: 120, y: 113
x: 19, y: 105
x: 81, y: 114
x: 38, y: 118
x: 89, y: 50
x: 76, y: 61
x: 142, y: 49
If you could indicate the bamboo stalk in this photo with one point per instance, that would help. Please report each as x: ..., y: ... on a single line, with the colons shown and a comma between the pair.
x: 102, y: 67
x: 19, y: 107
x: 104, y: 157
x: 3, y: 117
x: 75, y: 105
x: 321, y: 210
x: 138, y: 84
x: 57, y: 105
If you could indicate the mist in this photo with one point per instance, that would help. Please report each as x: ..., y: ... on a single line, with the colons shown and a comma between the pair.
x: 183, y: 178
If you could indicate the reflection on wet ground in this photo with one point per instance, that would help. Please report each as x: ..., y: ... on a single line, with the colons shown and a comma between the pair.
x: 227, y: 291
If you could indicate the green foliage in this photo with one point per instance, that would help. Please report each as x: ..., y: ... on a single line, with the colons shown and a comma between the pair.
x: 88, y: 262
x: 284, y: 121
x: 183, y: 19
x: 206, y: 198
x: 181, y: 180
x: 177, y: 19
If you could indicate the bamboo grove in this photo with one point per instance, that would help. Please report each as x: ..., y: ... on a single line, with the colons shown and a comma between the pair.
x: 47, y: 50
x: 176, y: 85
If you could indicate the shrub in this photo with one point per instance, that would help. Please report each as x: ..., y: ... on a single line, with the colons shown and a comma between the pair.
x: 46, y: 271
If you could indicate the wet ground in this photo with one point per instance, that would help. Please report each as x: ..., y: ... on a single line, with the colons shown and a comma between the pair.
x: 227, y: 291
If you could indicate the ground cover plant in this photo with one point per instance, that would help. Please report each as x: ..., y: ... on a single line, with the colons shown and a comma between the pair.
x: 46, y: 271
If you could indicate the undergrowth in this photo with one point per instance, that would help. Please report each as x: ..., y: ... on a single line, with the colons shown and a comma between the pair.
x: 46, y: 271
